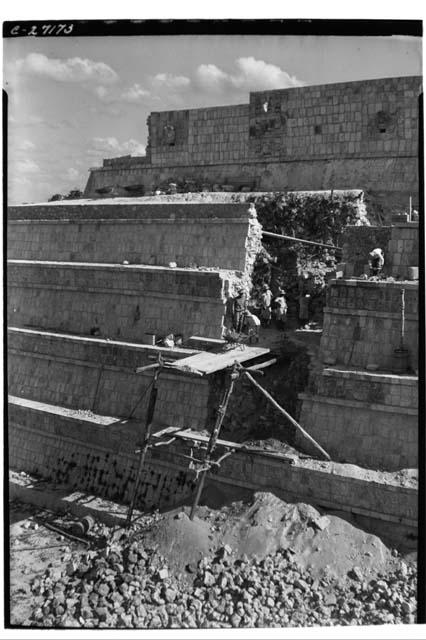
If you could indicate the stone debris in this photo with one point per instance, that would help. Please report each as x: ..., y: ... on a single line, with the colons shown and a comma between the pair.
x: 129, y: 586
x: 228, y: 575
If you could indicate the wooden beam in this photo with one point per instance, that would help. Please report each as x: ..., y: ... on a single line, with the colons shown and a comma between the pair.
x: 318, y: 244
x: 287, y: 415
x: 262, y: 365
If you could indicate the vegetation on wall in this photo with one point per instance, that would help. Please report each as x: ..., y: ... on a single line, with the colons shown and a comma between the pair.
x: 321, y: 217
x: 74, y: 194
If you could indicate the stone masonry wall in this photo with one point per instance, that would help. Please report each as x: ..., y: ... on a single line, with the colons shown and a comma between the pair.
x: 368, y: 419
x: 93, y: 375
x: 127, y: 209
x: 372, y: 436
x: 403, y: 248
x: 373, y: 388
x: 106, y: 465
x: 390, y: 179
x: 285, y: 139
x: 122, y: 301
x: 366, y: 118
x: 90, y: 457
x: 357, y: 242
x: 362, y: 322
x: 400, y: 244
x: 202, y: 136
x: 351, y: 119
x: 189, y: 242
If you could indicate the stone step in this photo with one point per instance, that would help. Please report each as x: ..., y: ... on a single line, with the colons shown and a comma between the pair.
x: 91, y: 453
x: 96, y: 375
x: 375, y: 388
x: 214, y: 236
x: 362, y: 323
x: 49, y: 445
x: 366, y: 433
x: 119, y: 302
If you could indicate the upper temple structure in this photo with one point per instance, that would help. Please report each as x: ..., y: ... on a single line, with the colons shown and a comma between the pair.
x: 331, y: 136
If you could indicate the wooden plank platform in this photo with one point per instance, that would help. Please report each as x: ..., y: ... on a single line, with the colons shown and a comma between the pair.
x: 189, y: 435
x: 205, y: 363
x: 194, y: 436
x: 201, y: 342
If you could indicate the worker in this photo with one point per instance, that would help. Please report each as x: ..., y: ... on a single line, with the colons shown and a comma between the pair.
x: 265, y: 305
x: 280, y: 308
x: 251, y: 324
x: 169, y: 341
x: 304, y: 300
x: 376, y: 261
x: 239, y: 308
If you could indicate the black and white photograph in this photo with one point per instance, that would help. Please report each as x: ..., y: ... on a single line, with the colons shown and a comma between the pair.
x: 214, y: 302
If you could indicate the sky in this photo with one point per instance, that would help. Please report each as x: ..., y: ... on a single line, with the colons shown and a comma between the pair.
x: 74, y: 101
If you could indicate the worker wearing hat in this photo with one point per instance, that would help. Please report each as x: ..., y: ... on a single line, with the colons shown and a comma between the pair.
x: 265, y: 305
x: 239, y: 308
x: 376, y: 261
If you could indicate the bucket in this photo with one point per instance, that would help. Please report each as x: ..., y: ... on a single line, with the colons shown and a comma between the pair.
x: 413, y: 273
x: 400, y: 361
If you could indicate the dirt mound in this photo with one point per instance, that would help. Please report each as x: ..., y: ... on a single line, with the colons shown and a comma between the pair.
x: 324, y: 545
x: 180, y: 540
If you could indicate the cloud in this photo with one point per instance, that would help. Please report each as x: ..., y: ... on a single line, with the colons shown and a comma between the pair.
x: 72, y: 174
x: 101, y: 146
x: 168, y: 81
x: 250, y: 75
x: 66, y: 70
x: 114, y: 95
x: 206, y: 80
x: 156, y: 88
x: 24, y: 166
x: 135, y: 93
x: 210, y: 78
x: 27, y: 120
x: 23, y: 145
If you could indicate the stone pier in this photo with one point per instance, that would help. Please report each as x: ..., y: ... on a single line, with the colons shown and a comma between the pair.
x: 358, y: 406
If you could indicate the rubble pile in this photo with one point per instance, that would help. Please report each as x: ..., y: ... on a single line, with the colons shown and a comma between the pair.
x: 127, y: 585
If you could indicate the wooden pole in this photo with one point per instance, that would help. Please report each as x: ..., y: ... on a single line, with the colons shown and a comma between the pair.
x: 145, y: 444
x: 402, y: 318
x: 287, y: 415
x: 262, y: 365
x: 281, y: 237
x: 213, y: 439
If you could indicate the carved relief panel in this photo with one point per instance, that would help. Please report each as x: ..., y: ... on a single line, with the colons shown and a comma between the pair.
x: 168, y: 130
x: 267, y: 125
